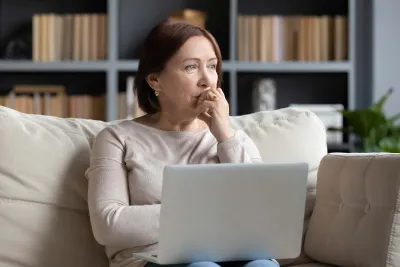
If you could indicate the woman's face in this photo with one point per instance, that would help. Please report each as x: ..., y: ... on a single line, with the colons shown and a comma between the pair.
x: 187, y: 74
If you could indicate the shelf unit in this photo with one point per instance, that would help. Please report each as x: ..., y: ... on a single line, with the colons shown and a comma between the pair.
x: 130, y: 20
x: 132, y: 65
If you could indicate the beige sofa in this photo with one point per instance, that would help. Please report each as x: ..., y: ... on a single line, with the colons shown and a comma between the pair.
x: 352, y: 220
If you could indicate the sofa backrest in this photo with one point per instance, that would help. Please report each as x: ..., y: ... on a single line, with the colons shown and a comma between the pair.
x: 356, y: 220
x: 43, y: 210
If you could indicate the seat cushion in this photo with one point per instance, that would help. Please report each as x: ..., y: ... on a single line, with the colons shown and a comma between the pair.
x: 314, y: 265
x: 43, y: 190
x: 356, y: 219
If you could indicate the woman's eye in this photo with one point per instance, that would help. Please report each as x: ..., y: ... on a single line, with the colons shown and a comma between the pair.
x: 213, y: 66
x: 190, y: 67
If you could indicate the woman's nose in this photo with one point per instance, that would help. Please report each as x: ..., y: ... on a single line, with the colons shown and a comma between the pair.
x: 205, y: 79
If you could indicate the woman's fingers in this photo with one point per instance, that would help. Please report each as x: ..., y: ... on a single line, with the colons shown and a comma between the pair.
x: 205, y: 117
x: 209, y: 104
x: 206, y: 95
x: 209, y: 107
x: 219, y: 92
x: 210, y: 98
x: 212, y: 94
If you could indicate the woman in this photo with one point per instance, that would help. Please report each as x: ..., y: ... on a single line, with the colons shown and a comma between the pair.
x: 186, y: 122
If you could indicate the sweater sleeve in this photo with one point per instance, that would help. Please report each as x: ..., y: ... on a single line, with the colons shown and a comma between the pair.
x: 238, y: 149
x: 114, y: 222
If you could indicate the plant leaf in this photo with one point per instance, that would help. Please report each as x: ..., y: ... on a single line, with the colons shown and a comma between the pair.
x: 390, y: 144
x: 378, y: 106
x: 361, y: 122
x: 394, y: 118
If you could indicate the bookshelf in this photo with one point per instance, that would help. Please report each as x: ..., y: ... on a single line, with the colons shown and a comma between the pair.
x: 29, y: 66
x: 340, y: 80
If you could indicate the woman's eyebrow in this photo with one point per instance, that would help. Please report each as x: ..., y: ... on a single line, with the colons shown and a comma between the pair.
x: 198, y: 59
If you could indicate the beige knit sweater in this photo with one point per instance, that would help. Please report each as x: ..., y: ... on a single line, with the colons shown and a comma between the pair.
x: 125, y: 177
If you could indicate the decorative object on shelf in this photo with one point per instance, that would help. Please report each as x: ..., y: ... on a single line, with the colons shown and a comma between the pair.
x: 375, y: 132
x: 331, y: 118
x: 128, y: 107
x: 264, y: 95
x: 18, y: 45
x: 192, y: 16
x: 130, y: 97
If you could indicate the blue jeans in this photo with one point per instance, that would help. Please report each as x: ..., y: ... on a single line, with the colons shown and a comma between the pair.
x: 255, y: 263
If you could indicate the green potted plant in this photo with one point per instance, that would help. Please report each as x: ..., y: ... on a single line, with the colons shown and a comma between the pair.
x: 375, y: 132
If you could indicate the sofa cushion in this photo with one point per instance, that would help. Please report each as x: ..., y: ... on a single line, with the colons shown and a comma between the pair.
x: 43, y: 208
x: 356, y: 219
x: 285, y: 135
x: 313, y: 265
x: 289, y: 134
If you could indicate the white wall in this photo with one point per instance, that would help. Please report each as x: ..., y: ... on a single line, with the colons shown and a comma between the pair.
x: 386, y: 52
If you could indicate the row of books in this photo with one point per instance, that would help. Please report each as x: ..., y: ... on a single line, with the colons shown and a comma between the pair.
x: 66, y: 37
x: 53, y: 101
x: 71, y: 106
x: 74, y: 106
x: 274, y: 38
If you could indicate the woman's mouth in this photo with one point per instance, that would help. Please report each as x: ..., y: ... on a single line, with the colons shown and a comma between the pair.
x: 197, y: 96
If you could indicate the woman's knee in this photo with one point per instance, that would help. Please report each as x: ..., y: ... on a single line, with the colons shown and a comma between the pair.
x: 262, y: 263
x: 194, y: 264
x: 203, y: 264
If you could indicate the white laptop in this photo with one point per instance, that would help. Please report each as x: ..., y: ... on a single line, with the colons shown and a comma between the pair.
x: 228, y: 212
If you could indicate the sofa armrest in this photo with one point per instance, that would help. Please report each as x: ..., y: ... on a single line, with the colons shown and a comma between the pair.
x: 356, y: 218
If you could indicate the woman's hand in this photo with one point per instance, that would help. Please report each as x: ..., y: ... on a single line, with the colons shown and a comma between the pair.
x: 214, y: 110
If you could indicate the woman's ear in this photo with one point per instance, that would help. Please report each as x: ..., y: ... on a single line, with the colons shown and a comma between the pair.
x: 152, y: 80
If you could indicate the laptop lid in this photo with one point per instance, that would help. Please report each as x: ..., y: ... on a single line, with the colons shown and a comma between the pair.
x: 225, y: 212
